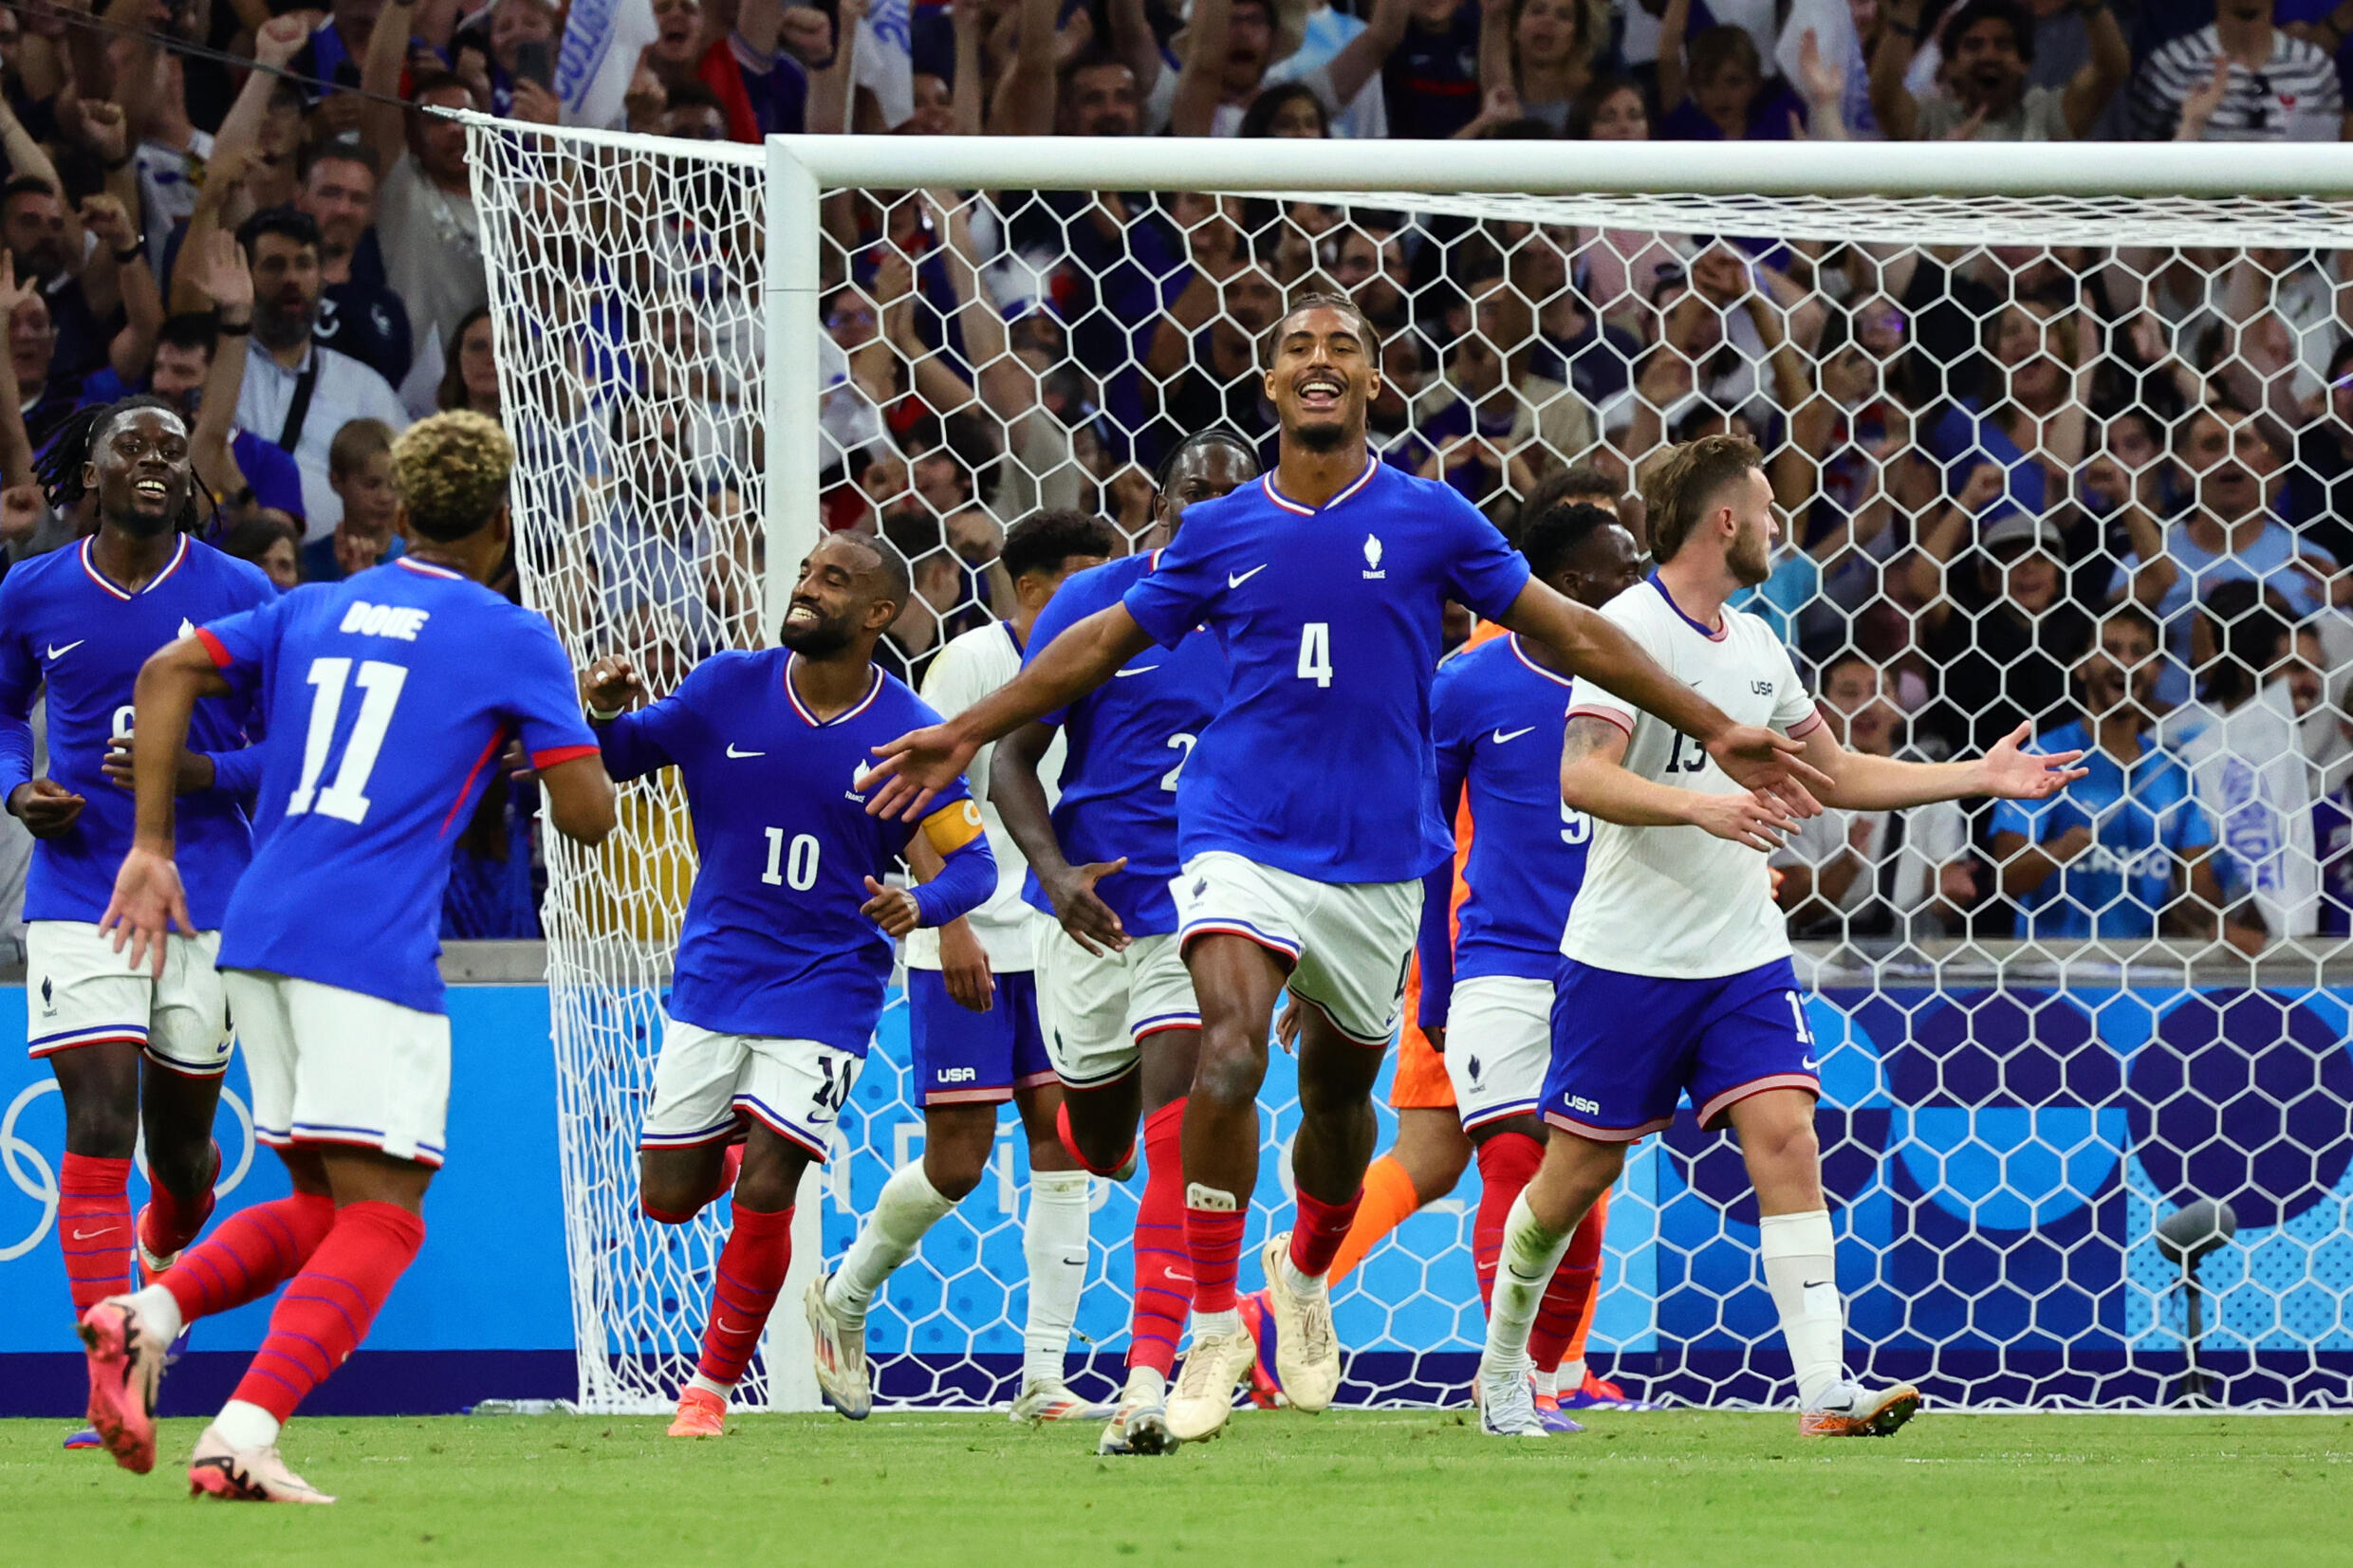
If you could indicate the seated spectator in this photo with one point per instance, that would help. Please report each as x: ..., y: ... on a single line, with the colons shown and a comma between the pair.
x: 297, y: 392
x: 1714, y: 89
x: 2228, y: 534
x: 2007, y: 643
x: 359, y: 467
x: 2239, y: 79
x: 2240, y: 741
x: 2320, y: 484
x: 1987, y: 53
x: 268, y: 546
x: 2031, y: 420
x: 2124, y: 853
x: 1867, y: 873
x: 1494, y: 416
x: 472, y: 380
x: 1595, y: 356
x: 358, y: 313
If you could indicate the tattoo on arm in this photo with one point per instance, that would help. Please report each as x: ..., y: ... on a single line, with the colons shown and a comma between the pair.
x: 1585, y: 736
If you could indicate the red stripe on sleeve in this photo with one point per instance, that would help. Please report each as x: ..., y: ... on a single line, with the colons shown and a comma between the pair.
x: 215, y: 647
x: 1618, y: 719
x: 562, y: 754
x: 1806, y: 725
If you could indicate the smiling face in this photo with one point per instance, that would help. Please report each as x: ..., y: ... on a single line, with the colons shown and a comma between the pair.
x: 2232, y: 463
x: 2121, y: 671
x: 1545, y: 32
x: 1987, y: 64
x: 139, y: 472
x: 1323, y: 378
x: 1102, y: 101
x: 845, y: 595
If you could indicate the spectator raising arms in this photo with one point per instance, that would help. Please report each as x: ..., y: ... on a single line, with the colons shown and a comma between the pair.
x: 1985, y: 95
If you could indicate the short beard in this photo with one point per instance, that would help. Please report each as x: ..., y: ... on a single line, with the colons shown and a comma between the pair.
x: 277, y: 331
x: 820, y: 641
x: 1321, y: 438
x: 142, y: 525
x: 1751, y: 567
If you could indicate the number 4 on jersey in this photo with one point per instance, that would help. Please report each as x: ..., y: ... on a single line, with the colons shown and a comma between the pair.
x: 1315, y: 652
x: 347, y: 797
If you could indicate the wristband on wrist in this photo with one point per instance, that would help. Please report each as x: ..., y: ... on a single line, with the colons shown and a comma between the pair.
x: 130, y: 253
x: 233, y: 329
x: 601, y: 716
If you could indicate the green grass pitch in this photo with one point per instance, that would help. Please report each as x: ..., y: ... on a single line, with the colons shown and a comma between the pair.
x: 1405, y: 1488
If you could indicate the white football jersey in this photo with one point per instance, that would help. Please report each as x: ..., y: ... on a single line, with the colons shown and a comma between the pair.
x: 970, y: 668
x: 1678, y: 902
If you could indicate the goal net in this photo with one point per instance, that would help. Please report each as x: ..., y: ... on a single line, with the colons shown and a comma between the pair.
x: 2076, y: 463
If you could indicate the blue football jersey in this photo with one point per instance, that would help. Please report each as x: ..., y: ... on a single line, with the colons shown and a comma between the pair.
x: 1498, y: 717
x: 1126, y: 746
x: 773, y: 943
x: 63, y: 624
x: 2143, y: 823
x: 387, y: 698
x: 1319, y: 762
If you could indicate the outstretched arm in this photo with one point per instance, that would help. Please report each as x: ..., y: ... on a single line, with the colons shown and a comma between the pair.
x: 921, y: 762
x: 1593, y: 648
x: 1595, y: 779
x: 1859, y: 782
x: 148, y: 900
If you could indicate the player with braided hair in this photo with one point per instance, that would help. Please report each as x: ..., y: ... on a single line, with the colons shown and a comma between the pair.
x: 129, y: 1049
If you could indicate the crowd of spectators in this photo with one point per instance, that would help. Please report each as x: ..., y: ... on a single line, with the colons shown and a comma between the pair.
x: 2004, y: 470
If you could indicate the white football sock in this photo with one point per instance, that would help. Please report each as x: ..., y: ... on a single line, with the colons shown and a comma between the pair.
x: 711, y: 1385
x: 1053, y: 1240
x: 1572, y: 1374
x: 1228, y: 1322
x: 245, y: 1425
x: 1530, y: 1254
x: 1146, y: 1383
x: 1801, y: 1269
x: 1548, y: 1383
x: 1308, y: 1287
x: 909, y: 1206
x: 160, y: 1310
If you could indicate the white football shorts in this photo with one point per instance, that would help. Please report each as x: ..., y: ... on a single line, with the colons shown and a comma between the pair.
x: 329, y: 1065
x: 703, y: 1081
x: 1095, y: 1008
x: 1348, y: 943
x: 1498, y: 1045
x: 80, y: 991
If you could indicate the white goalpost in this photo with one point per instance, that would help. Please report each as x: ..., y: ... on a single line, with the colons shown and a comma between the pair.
x: 709, y: 354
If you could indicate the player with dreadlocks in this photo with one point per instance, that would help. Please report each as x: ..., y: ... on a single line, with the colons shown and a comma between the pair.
x: 128, y: 1048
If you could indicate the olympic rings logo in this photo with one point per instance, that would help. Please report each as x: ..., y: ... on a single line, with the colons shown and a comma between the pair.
x: 37, y: 1179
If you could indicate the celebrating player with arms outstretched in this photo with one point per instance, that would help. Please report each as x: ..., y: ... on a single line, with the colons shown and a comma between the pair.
x: 1113, y: 993
x: 387, y: 698
x: 784, y: 955
x: 1306, y: 810
x: 80, y: 620
x: 1677, y: 974
x: 1497, y: 710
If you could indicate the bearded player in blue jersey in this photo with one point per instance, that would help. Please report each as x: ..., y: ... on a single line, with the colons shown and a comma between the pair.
x: 77, y: 624
x: 387, y: 698
x: 1498, y: 711
x: 786, y: 948
x: 1114, y: 996
x: 1306, y: 811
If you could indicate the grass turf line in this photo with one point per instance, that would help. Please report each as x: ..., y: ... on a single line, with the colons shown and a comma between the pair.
x: 1415, y: 1488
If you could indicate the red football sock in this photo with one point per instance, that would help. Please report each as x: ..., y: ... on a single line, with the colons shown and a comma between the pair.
x: 1507, y: 1163
x: 1321, y: 1228
x: 1213, y: 1243
x: 326, y: 1309
x: 94, y: 1228
x: 1389, y: 1200
x: 742, y: 1291
x: 253, y: 1252
x: 1163, y: 1295
x: 166, y: 1225
x: 1561, y: 1316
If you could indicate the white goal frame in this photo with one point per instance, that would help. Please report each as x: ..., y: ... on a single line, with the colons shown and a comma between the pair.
x: 2234, y: 185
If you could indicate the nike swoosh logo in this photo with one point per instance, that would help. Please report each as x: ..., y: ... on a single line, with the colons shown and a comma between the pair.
x: 721, y: 1325
x: 733, y: 752
x: 1502, y: 739
x: 101, y: 1230
x: 1817, y: 1285
x: 56, y: 652
x: 1234, y: 580
x: 1140, y: 670
x: 1812, y: 1064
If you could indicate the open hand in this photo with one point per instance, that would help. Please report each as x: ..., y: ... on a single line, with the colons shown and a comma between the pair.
x: 1092, y: 923
x: 913, y: 768
x: 2016, y: 774
x: 1771, y: 762
x: 148, y: 903
x: 1751, y: 818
